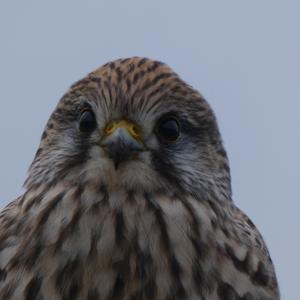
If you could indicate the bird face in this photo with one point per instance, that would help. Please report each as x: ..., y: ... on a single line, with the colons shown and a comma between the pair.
x: 134, y: 124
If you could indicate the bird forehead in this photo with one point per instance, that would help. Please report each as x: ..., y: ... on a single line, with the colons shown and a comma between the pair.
x: 132, y: 78
x: 136, y: 88
x: 132, y: 69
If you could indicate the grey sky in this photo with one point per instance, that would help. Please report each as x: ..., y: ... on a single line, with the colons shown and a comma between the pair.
x: 244, y: 57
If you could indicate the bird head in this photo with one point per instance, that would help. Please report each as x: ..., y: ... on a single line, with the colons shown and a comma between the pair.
x: 134, y: 124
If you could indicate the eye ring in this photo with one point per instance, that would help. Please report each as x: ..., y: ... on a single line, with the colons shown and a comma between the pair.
x: 87, y: 121
x: 168, y: 129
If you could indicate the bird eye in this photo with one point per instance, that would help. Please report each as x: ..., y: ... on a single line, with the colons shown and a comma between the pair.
x: 87, y: 121
x: 168, y: 129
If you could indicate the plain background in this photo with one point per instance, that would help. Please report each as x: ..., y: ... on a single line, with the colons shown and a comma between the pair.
x: 244, y: 56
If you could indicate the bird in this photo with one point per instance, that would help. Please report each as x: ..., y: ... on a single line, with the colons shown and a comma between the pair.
x: 129, y: 197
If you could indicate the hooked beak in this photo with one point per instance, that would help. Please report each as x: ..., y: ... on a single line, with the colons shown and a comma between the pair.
x: 122, y: 141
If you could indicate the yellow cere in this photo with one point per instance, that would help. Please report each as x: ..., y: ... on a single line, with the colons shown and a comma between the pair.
x: 132, y: 128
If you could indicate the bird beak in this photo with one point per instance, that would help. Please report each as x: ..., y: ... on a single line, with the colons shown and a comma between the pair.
x: 122, y: 141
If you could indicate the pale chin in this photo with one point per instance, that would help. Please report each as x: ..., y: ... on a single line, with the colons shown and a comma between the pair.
x: 135, y: 175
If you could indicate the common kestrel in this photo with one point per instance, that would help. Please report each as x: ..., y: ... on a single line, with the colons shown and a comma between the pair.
x: 129, y: 197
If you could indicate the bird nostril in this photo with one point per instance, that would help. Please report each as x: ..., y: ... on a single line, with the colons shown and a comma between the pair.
x: 109, y: 129
x: 135, y: 131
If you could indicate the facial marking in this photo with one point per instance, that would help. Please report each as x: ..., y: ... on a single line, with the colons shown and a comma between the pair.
x: 139, y: 123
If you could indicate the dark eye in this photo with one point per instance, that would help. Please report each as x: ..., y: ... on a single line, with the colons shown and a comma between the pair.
x: 168, y: 129
x: 87, y: 121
